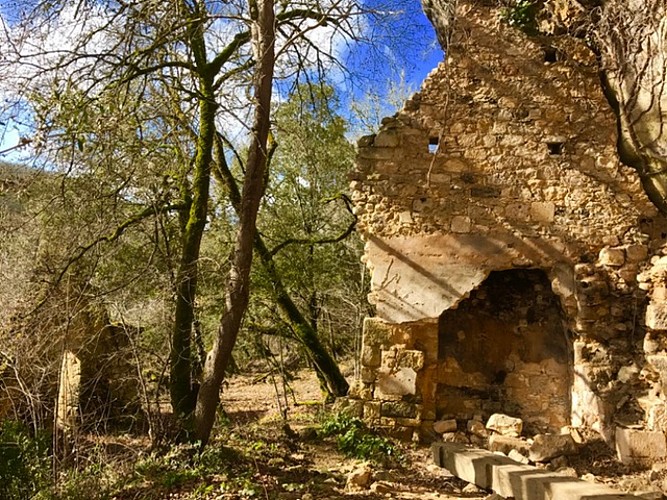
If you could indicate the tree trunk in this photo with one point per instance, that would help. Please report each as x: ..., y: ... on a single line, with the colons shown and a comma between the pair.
x: 237, y: 290
x: 183, y: 396
x: 331, y: 379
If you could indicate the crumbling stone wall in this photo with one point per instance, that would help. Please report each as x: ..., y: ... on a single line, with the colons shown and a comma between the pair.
x: 506, y: 159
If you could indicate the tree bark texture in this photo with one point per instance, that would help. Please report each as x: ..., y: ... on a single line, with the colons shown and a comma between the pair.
x: 181, y: 389
x: 237, y: 289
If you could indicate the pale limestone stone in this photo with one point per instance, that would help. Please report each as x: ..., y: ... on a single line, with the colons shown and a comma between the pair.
x: 505, y: 425
x: 505, y: 444
x: 657, y: 417
x: 656, y: 316
x: 455, y: 165
x: 399, y: 382
x: 359, y: 478
x: 444, y: 426
x: 548, y: 446
x: 614, y: 257
x: 640, y: 446
x: 518, y: 457
x: 405, y: 217
x: 542, y: 211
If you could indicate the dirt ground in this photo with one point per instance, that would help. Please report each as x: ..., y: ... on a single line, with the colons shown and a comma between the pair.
x: 267, y: 448
x: 249, y: 402
x: 317, y: 466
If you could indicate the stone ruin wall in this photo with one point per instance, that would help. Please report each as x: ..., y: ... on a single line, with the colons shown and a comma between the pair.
x: 506, y: 159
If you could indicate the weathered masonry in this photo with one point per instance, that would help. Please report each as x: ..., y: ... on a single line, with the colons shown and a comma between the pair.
x: 516, y: 263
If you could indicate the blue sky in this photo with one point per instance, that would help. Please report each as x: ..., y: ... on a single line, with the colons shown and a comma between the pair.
x: 403, y: 44
x: 401, y: 48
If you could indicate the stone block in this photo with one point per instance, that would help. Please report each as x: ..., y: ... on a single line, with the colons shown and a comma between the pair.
x: 443, y: 426
x: 376, y: 332
x: 399, y: 382
x: 505, y: 425
x: 372, y: 411
x: 398, y: 409
x: 347, y: 406
x: 548, y: 446
x: 505, y: 444
x: 510, y: 479
x: 634, y: 446
x: 656, y: 316
x: 657, y: 417
x: 614, y: 257
x: 542, y: 211
x: 410, y: 358
x: 636, y: 253
x: 455, y: 165
x: 370, y: 356
x: 368, y: 375
x: 455, y: 437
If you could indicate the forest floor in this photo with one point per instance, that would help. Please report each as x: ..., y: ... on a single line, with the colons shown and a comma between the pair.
x: 256, y: 455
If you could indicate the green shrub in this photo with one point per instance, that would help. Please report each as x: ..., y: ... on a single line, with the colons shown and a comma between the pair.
x: 521, y: 14
x: 24, y: 461
x: 354, y: 439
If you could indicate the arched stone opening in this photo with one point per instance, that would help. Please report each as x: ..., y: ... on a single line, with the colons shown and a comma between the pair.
x: 505, y: 349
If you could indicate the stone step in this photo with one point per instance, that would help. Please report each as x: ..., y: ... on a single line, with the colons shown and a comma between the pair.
x: 511, y: 479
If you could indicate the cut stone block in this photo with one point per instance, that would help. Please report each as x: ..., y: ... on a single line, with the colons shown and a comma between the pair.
x: 612, y: 257
x: 443, y: 426
x: 510, y: 479
x: 400, y: 382
x: 642, y: 447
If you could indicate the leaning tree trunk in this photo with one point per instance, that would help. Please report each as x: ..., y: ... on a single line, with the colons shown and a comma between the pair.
x: 237, y: 290
x: 332, y: 381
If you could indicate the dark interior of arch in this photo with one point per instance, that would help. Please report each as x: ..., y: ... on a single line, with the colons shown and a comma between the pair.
x: 505, y: 349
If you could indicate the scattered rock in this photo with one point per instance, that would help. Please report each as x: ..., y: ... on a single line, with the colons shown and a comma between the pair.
x: 476, y: 428
x: 478, y: 441
x: 518, y: 457
x: 471, y: 488
x: 384, y: 476
x: 308, y: 433
x: 548, y: 446
x: 382, y: 487
x: 359, y: 478
x: 559, y: 462
x: 589, y: 477
x: 505, y: 425
x: 505, y: 444
x: 455, y: 437
x: 445, y: 426
x: 567, y: 471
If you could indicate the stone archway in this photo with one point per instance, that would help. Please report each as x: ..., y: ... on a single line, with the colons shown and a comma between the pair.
x: 505, y: 349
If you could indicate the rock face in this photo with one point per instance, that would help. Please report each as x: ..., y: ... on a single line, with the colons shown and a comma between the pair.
x: 505, y: 240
